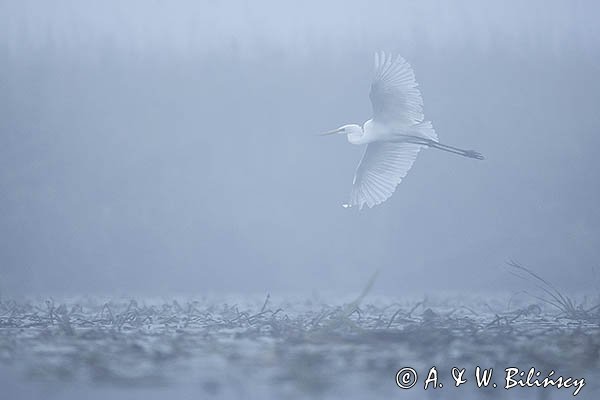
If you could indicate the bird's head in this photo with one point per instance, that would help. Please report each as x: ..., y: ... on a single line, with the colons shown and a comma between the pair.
x: 353, y: 131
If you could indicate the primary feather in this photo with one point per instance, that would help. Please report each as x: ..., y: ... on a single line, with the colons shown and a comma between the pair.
x: 395, y: 96
x: 380, y: 170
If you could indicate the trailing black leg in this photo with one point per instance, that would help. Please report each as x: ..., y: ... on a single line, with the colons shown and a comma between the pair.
x: 440, y: 146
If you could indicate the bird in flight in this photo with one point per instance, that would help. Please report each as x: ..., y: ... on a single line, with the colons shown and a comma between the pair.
x: 395, y: 134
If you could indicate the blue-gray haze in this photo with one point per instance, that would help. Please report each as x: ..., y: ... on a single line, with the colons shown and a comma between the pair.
x: 160, y: 147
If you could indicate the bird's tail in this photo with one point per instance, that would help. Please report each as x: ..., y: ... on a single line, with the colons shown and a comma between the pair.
x: 425, y: 130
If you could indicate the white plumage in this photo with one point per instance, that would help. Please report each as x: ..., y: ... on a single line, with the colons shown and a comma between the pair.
x: 395, y: 134
x: 395, y: 95
x: 380, y: 170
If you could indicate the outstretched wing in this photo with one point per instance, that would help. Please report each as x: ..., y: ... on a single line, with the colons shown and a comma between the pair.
x: 394, y: 94
x: 381, y: 169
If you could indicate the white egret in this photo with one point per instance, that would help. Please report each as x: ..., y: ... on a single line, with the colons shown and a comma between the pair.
x: 395, y: 134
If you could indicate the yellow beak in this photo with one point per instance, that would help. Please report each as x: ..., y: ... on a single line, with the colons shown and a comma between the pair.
x: 333, y: 132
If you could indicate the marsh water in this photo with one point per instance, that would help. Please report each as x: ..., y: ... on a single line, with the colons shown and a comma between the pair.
x: 293, y: 348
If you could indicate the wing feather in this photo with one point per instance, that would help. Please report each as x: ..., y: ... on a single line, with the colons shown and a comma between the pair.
x: 381, y: 169
x: 395, y: 96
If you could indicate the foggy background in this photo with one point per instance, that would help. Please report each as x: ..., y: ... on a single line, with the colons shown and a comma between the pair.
x: 161, y: 148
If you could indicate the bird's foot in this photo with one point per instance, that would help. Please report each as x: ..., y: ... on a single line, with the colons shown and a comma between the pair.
x: 474, y: 154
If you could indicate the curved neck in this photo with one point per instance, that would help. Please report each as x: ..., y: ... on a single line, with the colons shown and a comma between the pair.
x: 359, y: 135
x: 356, y: 135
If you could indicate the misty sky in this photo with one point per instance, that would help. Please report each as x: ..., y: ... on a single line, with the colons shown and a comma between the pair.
x: 154, y: 147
